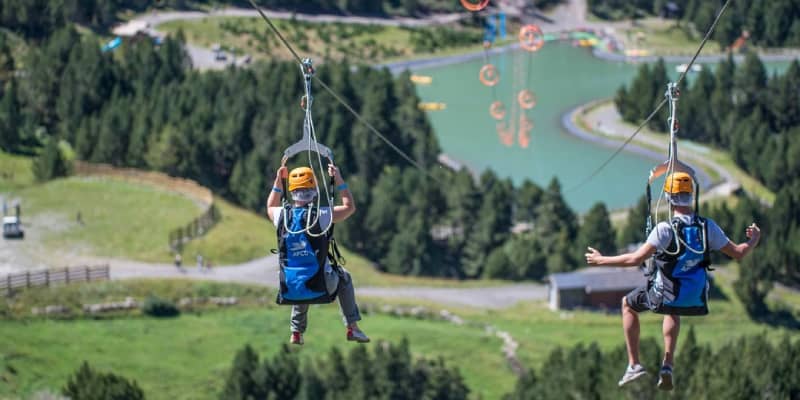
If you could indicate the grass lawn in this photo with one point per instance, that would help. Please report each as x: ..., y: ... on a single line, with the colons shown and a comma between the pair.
x: 240, y: 236
x: 359, y: 43
x: 120, y: 219
x: 664, y: 37
x: 538, y: 330
x: 15, y: 172
x: 187, y: 357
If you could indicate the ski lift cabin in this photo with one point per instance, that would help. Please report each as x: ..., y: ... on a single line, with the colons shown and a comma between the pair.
x: 594, y: 287
x: 12, y: 228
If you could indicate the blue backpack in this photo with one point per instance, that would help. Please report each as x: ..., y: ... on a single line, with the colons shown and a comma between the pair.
x: 302, y: 259
x: 679, y: 283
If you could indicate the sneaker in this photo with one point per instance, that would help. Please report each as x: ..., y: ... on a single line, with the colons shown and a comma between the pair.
x: 355, y: 335
x: 665, y: 378
x: 297, y: 338
x: 632, y: 373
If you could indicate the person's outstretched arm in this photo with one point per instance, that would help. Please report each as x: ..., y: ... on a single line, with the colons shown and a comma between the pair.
x: 348, y: 207
x: 595, y: 258
x: 274, y: 199
x: 738, y: 251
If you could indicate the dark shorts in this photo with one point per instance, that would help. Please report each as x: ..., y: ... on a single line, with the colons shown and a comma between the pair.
x: 638, y: 300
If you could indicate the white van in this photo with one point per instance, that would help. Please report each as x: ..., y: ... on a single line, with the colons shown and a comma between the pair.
x: 12, y: 228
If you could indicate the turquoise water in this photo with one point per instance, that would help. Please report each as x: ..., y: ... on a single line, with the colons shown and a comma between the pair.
x: 562, y: 77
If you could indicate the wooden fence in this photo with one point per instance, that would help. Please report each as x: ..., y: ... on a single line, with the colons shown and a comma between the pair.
x: 29, y: 279
x: 198, y: 227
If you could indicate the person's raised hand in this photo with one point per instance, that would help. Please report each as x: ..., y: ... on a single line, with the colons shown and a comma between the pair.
x: 283, y: 172
x: 333, y: 170
x: 593, y: 256
x: 753, y: 232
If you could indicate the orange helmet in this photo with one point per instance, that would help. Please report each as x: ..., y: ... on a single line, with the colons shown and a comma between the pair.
x: 678, y: 182
x: 302, y: 178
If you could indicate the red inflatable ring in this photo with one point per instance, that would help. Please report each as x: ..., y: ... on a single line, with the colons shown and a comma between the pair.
x: 497, y: 110
x: 473, y: 6
x: 531, y: 38
x: 526, y: 99
x: 489, y: 75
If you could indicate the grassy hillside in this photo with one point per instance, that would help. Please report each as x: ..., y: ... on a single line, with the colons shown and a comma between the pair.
x: 119, y: 219
x: 240, y: 236
x: 128, y: 220
x: 15, y: 172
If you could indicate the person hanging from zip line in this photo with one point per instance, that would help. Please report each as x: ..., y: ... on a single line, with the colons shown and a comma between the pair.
x: 677, y: 284
x: 304, y: 235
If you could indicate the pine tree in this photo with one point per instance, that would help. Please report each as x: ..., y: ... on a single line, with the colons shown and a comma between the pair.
x: 279, y: 377
x: 526, y: 258
x: 88, y: 384
x: 50, y: 164
x: 493, y: 224
x: 10, y: 118
x: 596, y: 231
x: 241, y: 384
x: 528, y: 197
x: 633, y: 233
x: 6, y: 57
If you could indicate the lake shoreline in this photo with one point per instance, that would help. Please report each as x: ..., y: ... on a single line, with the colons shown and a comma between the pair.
x: 724, y: 185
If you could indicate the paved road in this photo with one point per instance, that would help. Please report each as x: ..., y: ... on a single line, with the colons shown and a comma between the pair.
x: 203, y: 58
x: 607, y: 120
x: 264, y: 272
x: 564, y: 18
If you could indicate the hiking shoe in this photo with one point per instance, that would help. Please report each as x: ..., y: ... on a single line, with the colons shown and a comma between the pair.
x: 632, y: 373
x: 297, y: 338
x: 665, y: 378
x: 355, y: 335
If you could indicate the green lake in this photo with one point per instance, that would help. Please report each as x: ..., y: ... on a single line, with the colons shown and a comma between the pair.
x: 562, y: 77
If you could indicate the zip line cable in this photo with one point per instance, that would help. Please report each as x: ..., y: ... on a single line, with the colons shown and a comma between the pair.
x: 338, y: 98
x: 658, y: 107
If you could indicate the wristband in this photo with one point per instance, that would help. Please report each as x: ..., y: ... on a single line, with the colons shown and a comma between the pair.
x: 277, y: 189
x: 342, y: 187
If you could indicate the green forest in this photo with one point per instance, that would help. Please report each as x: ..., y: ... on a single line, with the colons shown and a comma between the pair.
x: 770, y: 23
x: 747, y: 368
x: 145, y: 108
x: 755, y: 117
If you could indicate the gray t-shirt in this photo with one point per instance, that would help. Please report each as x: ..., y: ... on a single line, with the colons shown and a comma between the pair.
x: 325, y: 217
x: 661, y: 236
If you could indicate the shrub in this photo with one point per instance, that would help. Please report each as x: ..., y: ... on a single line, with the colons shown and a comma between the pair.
x: 88, y: 384
x: 158, y: 307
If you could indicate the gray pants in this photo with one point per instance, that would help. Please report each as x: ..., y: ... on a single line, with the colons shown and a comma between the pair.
x: 347, y: 303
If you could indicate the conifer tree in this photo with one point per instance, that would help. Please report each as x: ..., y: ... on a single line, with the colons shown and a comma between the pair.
x: 50, y: 164
x: 240, y: 383
x: 596, y: 231
x: 89, y: 384
x: 10, y: 118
